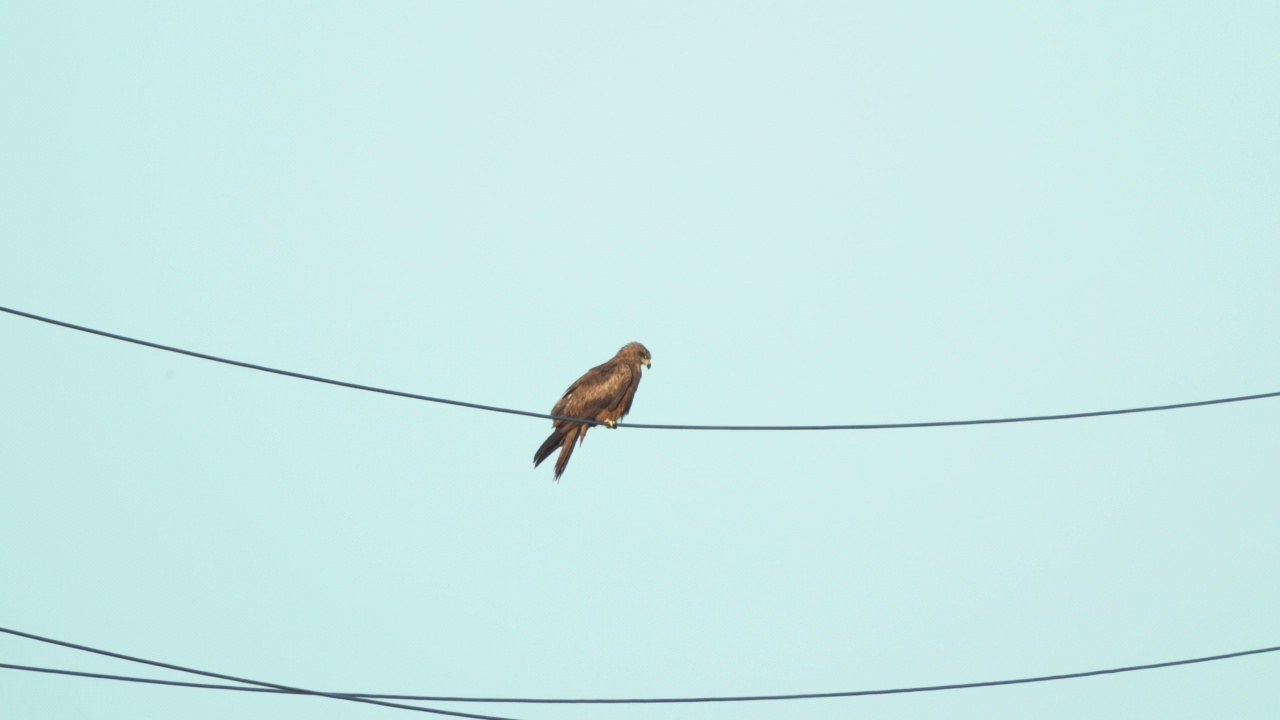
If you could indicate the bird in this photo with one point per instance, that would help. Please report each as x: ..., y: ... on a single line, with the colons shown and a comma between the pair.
x: 603, y: 394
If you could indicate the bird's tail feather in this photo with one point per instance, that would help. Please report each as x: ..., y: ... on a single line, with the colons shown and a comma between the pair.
x: 548, y: 446
x: 566, y: 450
x: 564, y: 437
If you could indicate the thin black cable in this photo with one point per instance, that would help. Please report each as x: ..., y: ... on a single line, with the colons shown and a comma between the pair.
x: 639, y: 426
x: 618, y: 701
x: 148, y: 681
x: 274, y: 686
x: 952, y: 423
x: 287, y: 373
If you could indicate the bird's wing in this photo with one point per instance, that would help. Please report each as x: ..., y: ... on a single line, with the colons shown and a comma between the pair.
x: 605, y: 388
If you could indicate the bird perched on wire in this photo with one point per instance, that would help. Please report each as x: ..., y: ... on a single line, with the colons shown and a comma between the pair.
x: 603, y: 394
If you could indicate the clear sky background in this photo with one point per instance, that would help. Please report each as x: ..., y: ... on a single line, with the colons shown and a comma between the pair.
x: 809, y: 212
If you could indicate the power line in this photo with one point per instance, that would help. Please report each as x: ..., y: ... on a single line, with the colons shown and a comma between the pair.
x: 270, y: 688
x: 954, y: 423
x: 277, y: 370
x: 639, y: 426
x: 274, y: 687
x: 148, y: 681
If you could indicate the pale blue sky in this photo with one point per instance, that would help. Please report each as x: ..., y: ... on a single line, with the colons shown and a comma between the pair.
x: 809, y: 212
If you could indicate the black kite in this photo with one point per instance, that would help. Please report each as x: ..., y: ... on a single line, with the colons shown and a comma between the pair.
x: 603, y: 394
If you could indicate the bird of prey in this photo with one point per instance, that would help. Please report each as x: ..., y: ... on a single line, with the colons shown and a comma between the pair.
x: 603, y: 394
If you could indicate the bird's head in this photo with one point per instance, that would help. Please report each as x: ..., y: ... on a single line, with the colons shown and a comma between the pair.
x: 639, y: 353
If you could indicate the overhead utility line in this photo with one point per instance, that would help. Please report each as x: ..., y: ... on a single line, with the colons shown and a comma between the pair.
x: 276, y: 687
x: 270, y: 688
x: 640, y: 426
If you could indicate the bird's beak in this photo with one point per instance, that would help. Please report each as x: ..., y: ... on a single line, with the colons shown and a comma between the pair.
x: 648, y: 363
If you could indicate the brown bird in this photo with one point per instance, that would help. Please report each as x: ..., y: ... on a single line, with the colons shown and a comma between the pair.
x: 603, y: 394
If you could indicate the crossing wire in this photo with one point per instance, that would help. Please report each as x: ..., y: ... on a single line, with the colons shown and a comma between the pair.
x: 638, y: 426
x: 271, y: 688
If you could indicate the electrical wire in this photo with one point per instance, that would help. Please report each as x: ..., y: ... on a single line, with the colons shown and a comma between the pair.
x: 273, y: 686
x: 638, y: 426
x: 286, y: 373
x: 269, y: 688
